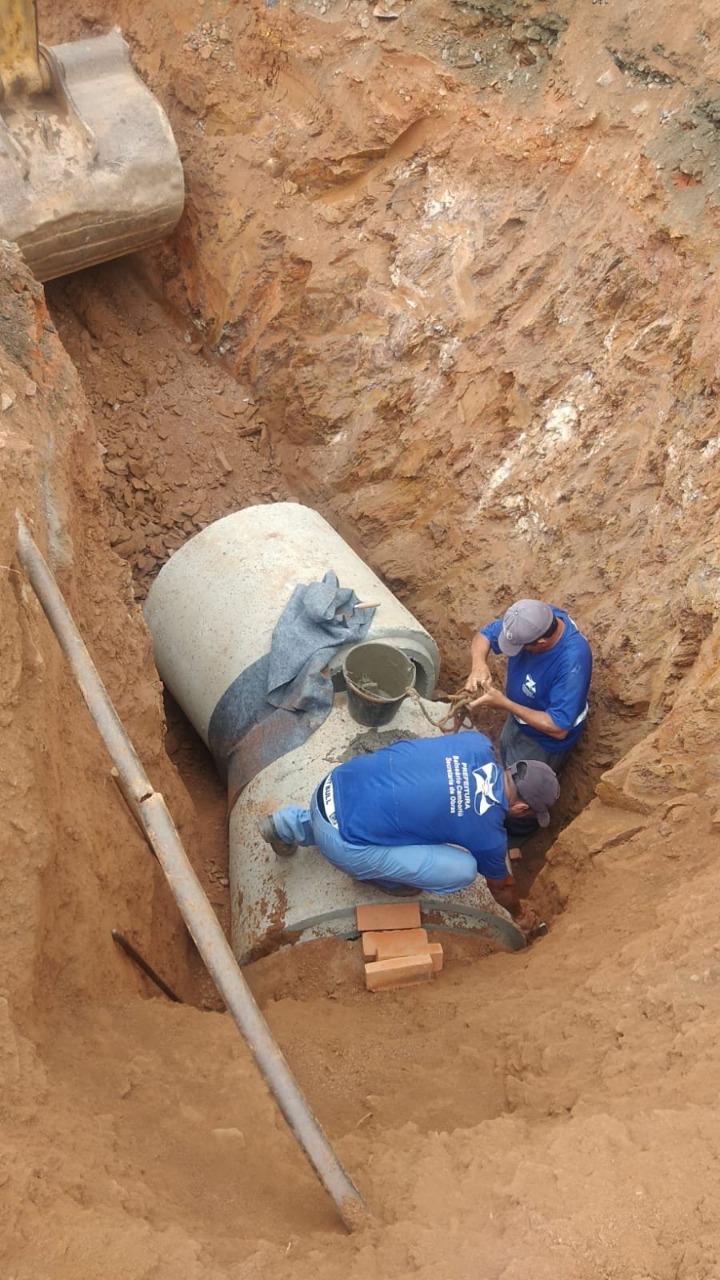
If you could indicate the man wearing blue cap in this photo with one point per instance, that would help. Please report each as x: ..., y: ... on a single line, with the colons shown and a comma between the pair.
x: 546, y: 687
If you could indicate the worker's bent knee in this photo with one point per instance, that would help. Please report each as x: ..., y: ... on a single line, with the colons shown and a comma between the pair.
x: 460, y: 881
x: 444, y: 869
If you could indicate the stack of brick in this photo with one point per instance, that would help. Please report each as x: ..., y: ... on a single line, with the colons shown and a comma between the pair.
x: 395, y: 948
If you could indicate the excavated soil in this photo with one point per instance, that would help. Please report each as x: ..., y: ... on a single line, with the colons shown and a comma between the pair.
x: 448, y: 273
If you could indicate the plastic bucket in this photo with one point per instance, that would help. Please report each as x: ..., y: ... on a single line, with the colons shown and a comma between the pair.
x: 377, y: 677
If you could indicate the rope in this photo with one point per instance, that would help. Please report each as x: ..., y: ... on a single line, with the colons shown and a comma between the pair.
x: 458, y: 712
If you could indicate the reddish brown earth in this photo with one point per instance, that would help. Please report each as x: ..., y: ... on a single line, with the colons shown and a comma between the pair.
x: 451, y: 278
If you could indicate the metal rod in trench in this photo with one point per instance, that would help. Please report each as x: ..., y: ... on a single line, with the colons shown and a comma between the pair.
x: 147, y: 969
x: 188, y: 893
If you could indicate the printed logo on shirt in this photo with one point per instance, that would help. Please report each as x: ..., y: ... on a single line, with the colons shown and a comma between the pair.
x: 529, y: 687
x: 458, y: 780
x: 487, y: 791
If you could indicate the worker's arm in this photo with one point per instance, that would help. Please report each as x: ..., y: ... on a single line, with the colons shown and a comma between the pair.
x: 506, y: 893
x: 479, y: 671
x: 536, y: 719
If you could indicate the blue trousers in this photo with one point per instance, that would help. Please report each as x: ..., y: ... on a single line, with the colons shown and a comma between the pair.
x: 437, y: 868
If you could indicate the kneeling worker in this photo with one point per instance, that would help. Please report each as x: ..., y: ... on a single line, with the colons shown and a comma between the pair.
x: 427, y: 813
x: 546, y: 688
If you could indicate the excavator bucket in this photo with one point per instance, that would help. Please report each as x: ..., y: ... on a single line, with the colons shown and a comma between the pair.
x: 89, y: 168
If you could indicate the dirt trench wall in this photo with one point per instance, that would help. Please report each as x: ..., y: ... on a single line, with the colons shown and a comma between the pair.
x: 661, y: 798
x: 73, y: 864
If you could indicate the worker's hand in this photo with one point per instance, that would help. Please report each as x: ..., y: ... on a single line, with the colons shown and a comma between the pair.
x: 490, y: 697
x: 479, y: 678
x: 527, y: 920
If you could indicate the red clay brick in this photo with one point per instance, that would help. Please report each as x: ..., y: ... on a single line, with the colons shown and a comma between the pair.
x: 388, y: 915
x: 401, y: 971
x: 435, y: 951
x: 387, y: 943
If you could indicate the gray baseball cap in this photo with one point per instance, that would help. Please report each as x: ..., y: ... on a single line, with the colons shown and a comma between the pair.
x: 524, y: 622
x: 537, y: 785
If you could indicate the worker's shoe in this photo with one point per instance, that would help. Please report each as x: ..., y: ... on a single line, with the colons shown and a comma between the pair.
x: 397, y: 890
x: 266, y: 827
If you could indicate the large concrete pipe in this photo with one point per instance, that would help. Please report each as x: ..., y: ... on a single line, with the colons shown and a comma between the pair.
x: 212, y: 611
x: 213, y: 606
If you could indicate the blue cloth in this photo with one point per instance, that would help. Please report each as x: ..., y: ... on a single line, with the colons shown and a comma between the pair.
x: 434, y: 868
x: 556, y: 681
x: 398, y: 809
x: 274, y: 705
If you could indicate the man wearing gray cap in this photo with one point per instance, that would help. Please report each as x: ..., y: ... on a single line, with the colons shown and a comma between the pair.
x: 546, y: 687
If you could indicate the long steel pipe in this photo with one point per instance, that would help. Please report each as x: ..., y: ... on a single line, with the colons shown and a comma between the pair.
x: 188, y: 893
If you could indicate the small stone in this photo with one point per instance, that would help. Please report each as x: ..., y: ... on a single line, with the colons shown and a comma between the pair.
x: 222, y: 459
x: 30, y: 388
x: 7, y: 400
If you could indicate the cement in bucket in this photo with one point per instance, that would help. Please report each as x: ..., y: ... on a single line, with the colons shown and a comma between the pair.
x: 377, y: 677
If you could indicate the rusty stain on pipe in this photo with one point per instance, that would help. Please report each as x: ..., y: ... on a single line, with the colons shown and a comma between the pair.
x: 188, y: 893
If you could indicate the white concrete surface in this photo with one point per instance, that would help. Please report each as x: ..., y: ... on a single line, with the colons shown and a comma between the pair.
x: 212, y: 608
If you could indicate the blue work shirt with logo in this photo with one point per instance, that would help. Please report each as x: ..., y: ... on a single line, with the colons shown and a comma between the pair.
x: 444, y: 790
x: 556, y: 681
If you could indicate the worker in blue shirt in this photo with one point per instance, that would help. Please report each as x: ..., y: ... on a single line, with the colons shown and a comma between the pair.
x: 427, y: 813
x: 546, y: 687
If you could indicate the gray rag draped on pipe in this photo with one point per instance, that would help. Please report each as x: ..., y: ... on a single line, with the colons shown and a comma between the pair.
x: 277, y: 702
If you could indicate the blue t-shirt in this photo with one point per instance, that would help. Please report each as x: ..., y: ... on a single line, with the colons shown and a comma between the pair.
x: 444, y: 790
x: 555, y: 681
